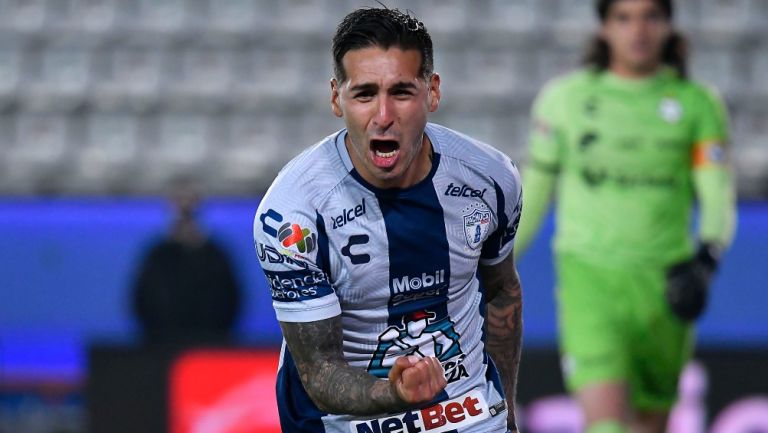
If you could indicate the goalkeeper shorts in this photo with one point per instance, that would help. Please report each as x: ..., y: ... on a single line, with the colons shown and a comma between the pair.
x: 615, y: 325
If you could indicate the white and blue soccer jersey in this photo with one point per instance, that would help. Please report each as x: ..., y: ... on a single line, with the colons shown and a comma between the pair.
x: 400, y: 267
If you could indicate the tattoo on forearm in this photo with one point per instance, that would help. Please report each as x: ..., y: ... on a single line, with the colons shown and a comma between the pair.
x: 334, y: 385
x: 504, y: 321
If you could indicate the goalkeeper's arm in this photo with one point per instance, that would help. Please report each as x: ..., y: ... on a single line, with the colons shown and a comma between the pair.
x: 688, y: 282
x: 538, y: 187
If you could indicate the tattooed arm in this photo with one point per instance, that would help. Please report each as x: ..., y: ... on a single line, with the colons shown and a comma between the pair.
x: 504, y: 321
x: 336, y: 387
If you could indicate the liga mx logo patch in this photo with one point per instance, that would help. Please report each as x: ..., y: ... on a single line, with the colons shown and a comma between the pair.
x: 303, y: 239
x: 289, y: 234
x: 477, y: 222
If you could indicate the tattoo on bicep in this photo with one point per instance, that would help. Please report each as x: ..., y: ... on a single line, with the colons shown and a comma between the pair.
x: 505, y: 305
x: 501, y: 278
x: 504, y: 312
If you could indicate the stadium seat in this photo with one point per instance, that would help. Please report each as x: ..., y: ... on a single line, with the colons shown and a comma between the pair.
x: 60, y: 77
x: 759, y: 71
x: 98, y: 18
x: 130, y: 77
x: 10, y: 65
x: 25, y: 17
x: 725, y: 15
x: 715, y: 67
x: 108, y: 156
x: 161, y: 16
x: 266, y: 72
x: 573, y: 21
x: 38, y: 154
x: 202, y: 76
x: 505, y: 15
x: 233, y: 16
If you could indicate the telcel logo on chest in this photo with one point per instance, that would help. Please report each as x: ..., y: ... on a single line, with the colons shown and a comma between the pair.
x: 463, y: 191
x: 348, y: 215
x: 462, y: 411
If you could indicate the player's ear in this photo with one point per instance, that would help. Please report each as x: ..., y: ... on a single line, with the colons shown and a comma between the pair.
x: 335, y: 104
x: 433, y: 97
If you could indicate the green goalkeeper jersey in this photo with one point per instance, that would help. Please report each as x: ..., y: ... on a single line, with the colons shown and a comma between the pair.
x: 625, y: 153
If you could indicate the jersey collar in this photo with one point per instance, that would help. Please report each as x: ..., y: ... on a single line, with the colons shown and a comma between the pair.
x: 636, y: 85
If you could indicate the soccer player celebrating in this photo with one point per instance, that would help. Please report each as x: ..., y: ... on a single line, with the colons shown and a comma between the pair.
x: 629, y: 143
x: 388, y: 251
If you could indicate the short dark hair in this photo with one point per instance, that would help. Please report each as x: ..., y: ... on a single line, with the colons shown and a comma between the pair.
x: 385, y: 28
x: 674, y: 53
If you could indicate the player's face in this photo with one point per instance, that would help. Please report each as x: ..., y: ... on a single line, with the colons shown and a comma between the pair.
x: 384, y: 102
x: 635, y: 31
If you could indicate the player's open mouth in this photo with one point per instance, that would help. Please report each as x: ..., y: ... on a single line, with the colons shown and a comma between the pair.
x: 384, y: 153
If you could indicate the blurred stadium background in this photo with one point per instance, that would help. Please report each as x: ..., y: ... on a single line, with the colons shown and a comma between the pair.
x: 102, y: 102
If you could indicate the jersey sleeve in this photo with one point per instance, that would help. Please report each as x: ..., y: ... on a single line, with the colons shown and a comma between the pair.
x: 712, y: 177
x: 545, y: 141
x: 509, y: 206
x: 545, y: 144
x: 290, y: 246
x: 710, y: 135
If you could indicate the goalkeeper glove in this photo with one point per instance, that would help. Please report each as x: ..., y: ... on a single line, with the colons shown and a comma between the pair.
x: 688, y: 282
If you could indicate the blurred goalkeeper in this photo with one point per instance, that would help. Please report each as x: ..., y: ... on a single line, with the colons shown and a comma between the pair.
x: 630, y: 143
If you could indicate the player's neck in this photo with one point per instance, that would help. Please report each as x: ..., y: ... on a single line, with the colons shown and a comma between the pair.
x: 423, y: 162
x: 631, y: 72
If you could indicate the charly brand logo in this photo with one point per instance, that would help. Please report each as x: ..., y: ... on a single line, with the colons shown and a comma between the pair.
x: 356, y: 258
x: 420, y: 335
x: 349, y: 215
x: 670, y: 110
x: 289, y: 234
x: 273, y: 215
x: 477, y: 222
x: 463, y: 191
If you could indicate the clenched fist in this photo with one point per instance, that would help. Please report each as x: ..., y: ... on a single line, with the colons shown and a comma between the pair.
x: 417, y: 380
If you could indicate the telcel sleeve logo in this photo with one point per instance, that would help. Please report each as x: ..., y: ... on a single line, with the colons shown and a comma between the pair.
x: 462, y: 411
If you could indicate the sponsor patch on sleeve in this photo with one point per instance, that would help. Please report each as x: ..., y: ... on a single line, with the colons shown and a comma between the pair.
x: 295, y: 286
